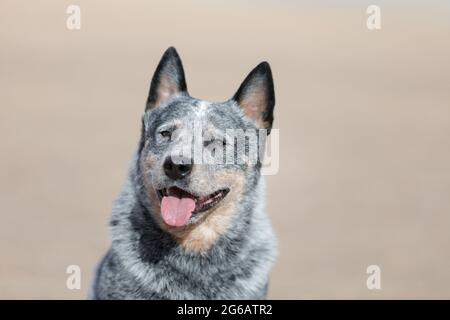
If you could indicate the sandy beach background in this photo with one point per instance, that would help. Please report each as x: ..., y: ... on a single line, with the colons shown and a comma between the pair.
x: 364, y: 120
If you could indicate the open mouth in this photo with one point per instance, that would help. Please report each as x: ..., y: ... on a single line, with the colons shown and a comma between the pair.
x: 178, y: 205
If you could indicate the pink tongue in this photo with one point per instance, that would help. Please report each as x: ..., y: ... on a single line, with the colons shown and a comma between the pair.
x: 177, y: 211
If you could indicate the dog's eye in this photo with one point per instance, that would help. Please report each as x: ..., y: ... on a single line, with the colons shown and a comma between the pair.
x: 165, y: 134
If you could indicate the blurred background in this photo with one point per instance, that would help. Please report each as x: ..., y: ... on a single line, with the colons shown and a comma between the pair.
x: 364, y: 120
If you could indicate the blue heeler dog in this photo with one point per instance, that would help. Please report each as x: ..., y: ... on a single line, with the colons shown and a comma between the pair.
x: 187, y: 229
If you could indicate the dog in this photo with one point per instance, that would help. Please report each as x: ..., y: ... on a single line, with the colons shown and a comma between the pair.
x: 186, y: 229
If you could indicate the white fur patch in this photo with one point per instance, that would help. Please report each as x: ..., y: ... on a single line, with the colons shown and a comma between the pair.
x: 201, y: 108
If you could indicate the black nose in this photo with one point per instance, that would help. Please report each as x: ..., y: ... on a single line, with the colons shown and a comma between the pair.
x: 177, y: 170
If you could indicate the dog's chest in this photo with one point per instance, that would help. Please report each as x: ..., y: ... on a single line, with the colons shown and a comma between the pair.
x: 232, y: 281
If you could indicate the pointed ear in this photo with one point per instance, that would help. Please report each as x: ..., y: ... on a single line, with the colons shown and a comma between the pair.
x: 168, y: 79
x: 256, y: 96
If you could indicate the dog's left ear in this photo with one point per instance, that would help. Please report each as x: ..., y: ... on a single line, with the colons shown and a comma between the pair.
x: 168, y: 79
x: 256, y: 96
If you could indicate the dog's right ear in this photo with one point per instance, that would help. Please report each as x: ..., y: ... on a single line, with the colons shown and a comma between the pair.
x: 168, y: 79
x: 256, y: 96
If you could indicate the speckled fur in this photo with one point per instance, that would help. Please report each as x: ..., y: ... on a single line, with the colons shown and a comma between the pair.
x: 148, y: 260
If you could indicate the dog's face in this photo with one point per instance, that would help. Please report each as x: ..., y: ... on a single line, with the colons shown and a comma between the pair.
x: 197, y: 158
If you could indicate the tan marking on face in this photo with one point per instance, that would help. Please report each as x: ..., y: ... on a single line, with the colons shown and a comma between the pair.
x: 149, y: 161
x: 146, y: 164
x: 202, y: 235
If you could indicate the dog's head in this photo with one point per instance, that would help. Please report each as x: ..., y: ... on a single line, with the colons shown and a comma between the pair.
x: 197, y: 159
